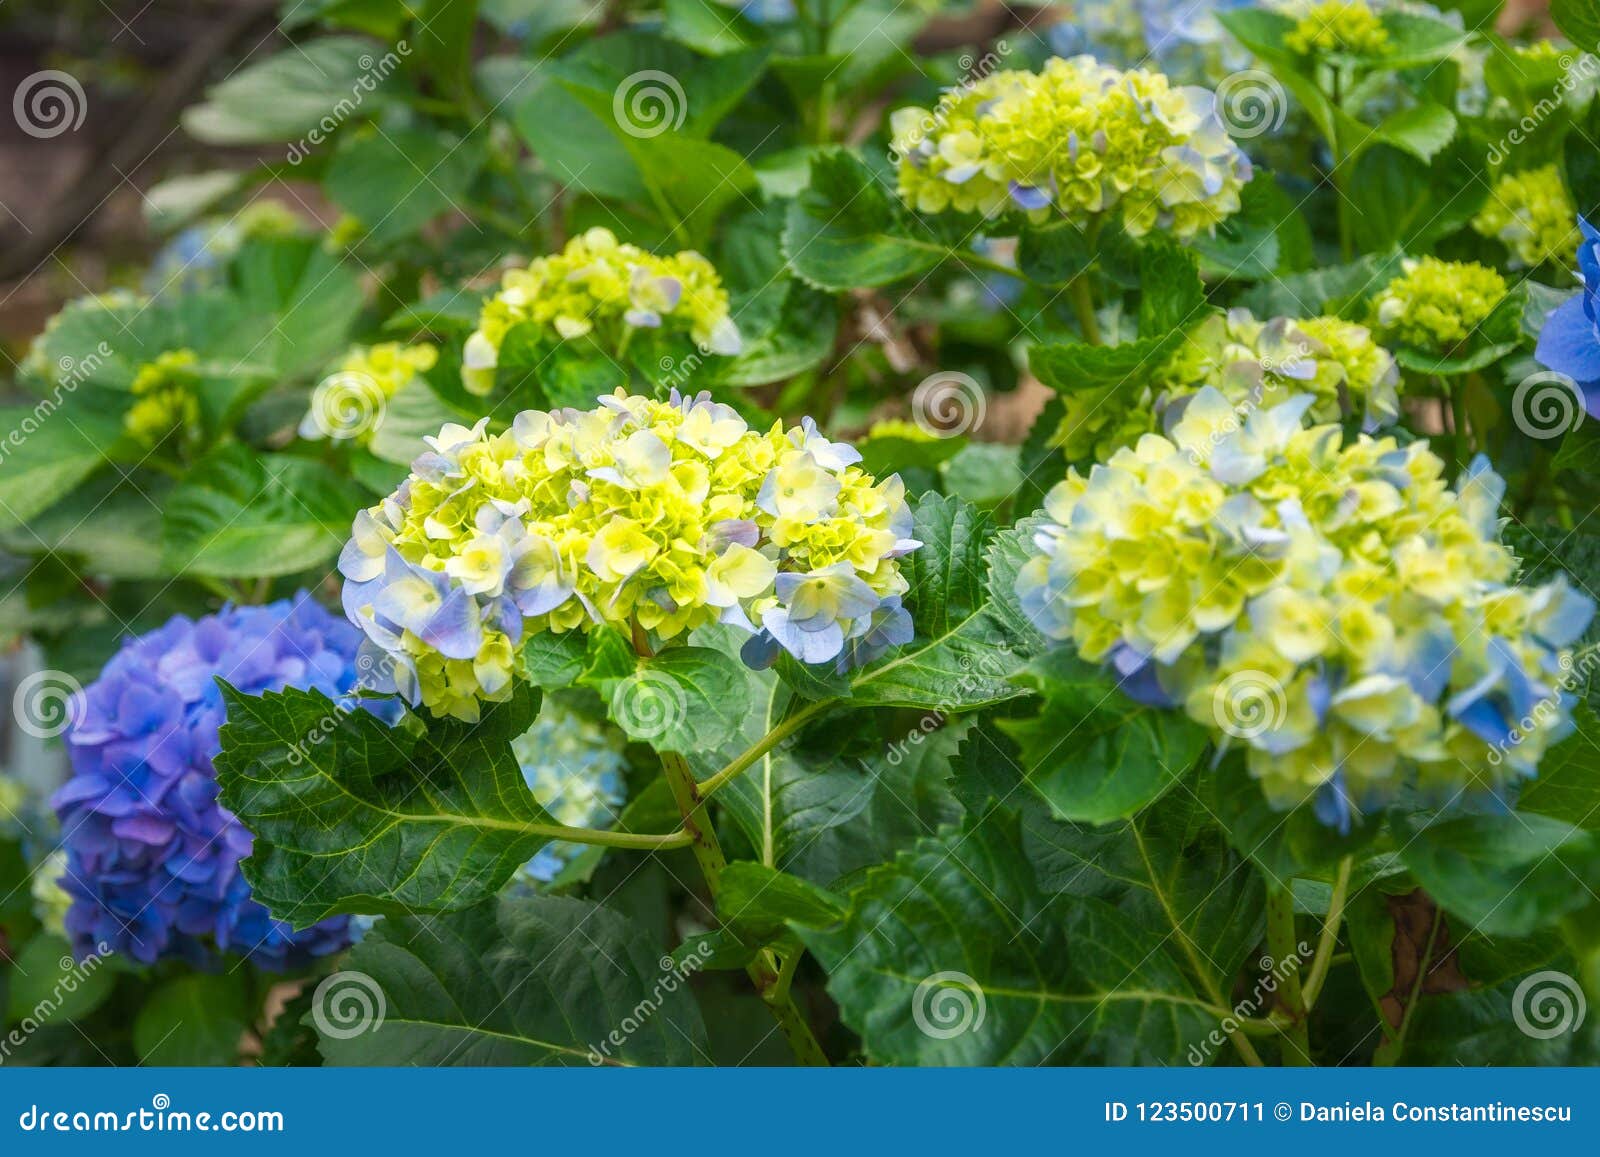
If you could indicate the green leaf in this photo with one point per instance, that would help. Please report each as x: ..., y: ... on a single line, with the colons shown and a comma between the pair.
x: 395, y: 182
x: 685, y: 699
x: 1423, y: 130
x: 1317, y: 290
x: 192, y: 1020
x: 551, y: 661
x: 1094, y: 754
x: 288, y: 96
x: 844, y: 232
x: 1053, y: 254
x: 1416, y: 40
x: 47, y: 985
x: 760, y: 901
x: 239, y: 514
x: 709, y: 27
x: 1173, y: 297
x: 968, y: 644
x: 351, y: 815
x: 542, y: 980
x: 1568, y: 785
x: 1505, y: 875
x: 1283, y: 844
x: 1266, y: 238
x: 953, y: 954
x: 110, y: 528
x: 1579, y: 21
x: 1067, y: 367
x: 45, y: 452
x: 780, y: 343
x: 414, y: 412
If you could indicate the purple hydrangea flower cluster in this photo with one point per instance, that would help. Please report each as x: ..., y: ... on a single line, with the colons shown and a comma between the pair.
x: 152, y: 855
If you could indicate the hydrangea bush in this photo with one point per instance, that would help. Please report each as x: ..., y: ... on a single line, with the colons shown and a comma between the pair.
x: 911, y: 532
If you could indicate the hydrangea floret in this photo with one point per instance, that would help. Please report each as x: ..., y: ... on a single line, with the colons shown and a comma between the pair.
x: 1347, y: 27
x: 1252, y: 363
x: 1531, y: 212
x: 1333, y: 607
x: 1078, y: 138
x: 166, y: 397
x: 657, y: 515
x: 152, y: 857
x: 1569, y: 342
x: 1436, y: 305
x: 576, y: 769
x: 599, y: 285
x: 347, y: 404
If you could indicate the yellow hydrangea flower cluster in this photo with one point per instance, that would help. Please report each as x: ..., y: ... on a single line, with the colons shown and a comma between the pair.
x: 348, y: 404
x: 1349, y: 27
x: 1334, y: 607
x: 602, y: 286
x: 660, y: 516
x: 1436, y: 305
x: 1252, y: 363
x: 1533, y: 213
x: 1080, y: 137
x: 167, y: 393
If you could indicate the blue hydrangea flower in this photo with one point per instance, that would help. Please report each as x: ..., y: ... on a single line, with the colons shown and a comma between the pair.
x: 152, y: 856
x: 575, y: 768
x: 1569, y: 343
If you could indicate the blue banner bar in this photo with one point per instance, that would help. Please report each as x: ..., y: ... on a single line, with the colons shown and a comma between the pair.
x: 783, y: 1111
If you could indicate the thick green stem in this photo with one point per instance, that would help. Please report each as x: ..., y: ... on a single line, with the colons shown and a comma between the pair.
x: 1330, y: 935
x: 1082, y: 298
x: 1283, y: 946
x: 766, y: 973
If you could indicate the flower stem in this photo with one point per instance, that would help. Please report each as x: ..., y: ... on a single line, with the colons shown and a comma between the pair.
x: 1282, y: 944
x: 1082, y: 299
x: 765, y: 972
x: 1330, y: 935
x: 763, y: 745
x: 1388, y: 1053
